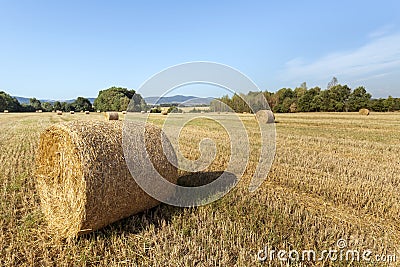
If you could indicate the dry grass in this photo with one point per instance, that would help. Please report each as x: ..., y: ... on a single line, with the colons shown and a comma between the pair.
x: 335, y: 176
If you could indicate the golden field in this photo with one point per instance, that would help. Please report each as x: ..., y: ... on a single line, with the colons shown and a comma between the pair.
x: 335, y: 176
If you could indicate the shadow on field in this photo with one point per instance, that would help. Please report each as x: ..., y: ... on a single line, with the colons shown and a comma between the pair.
x: 163, y: 213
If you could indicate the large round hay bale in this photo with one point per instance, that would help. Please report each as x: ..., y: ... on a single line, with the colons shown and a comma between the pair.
x: 111, y: 116
x: 87, y: 112
x: 59, y: 112
x: 364, y: 111
x: 72, y: 112
x: 82, y: 178
x: 5, y: 111
x: 265, y: 116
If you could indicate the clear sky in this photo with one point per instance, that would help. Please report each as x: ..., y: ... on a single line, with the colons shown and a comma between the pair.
x: 65, y: 49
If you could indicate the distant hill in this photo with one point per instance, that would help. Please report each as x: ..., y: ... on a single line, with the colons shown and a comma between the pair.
x: 25, y: 100
x: 179, y: 99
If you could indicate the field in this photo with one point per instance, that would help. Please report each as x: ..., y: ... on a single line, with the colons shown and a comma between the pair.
x: 335, y: 176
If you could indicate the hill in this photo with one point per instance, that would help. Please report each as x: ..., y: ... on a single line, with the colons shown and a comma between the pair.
x: 179, y: 99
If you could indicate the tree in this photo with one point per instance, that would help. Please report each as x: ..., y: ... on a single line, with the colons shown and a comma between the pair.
x: 359, y: 99
x: 306, y: 102
x: 9, y: 103
x: 378, y: 105
x: 35, y: 103
x: 66, y: 107
x: 332, y: 83
x: 174, y: 109
x: 81, y: 104
x: 118, y: 99
x: 136, y: 104
x: 47, y: 106
x: 389, y: 104
x: 339, y: 95
x: 57, y: 106
x: 285, y: 98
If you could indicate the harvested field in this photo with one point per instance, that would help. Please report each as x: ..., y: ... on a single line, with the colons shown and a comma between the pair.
x: 335, y: 176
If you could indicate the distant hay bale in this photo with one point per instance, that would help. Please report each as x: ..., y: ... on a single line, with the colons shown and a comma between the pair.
x: 164, y: 112
x: 98, y: 111
x: 5, y: 111
x: 40, y: 111
x: 124, y: 112
x: 87, y: 112
x: 244, y: 112
x: 364, y: 111
x: 59, y: 112
x: 111, y: 116
x: 72, y: 112
x: 143, y: 112
x: 82, y: 178
x: 265, y: 116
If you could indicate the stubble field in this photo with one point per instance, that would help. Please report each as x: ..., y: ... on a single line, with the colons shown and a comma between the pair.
x: 335, y: 176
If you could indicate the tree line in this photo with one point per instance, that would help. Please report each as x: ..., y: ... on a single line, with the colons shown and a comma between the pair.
x: 335, y: 98
x: 111, y: 99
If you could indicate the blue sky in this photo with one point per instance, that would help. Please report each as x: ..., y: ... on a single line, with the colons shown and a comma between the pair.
x: 65, y: 49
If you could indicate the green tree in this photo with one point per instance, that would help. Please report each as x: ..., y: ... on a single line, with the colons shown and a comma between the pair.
x: 174, y: 109
x: 136, y: 104
x: 57, y: 106
x: 118, y: 99
x: 9, y: 103
x: 36, y: 104
x: 306, y: 102
x: 81, y: 104
x: 285, y: 97
x: 377, y: 105
x: 359, y: 99
x: 339, y: 95
x: 66, y: 107
x: 48, y: 107
x: 389, y: 104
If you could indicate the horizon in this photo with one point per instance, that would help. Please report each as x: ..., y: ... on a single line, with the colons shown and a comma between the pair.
x: 62, y: 50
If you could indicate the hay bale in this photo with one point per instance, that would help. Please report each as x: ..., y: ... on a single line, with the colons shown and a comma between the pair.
x: 265, y: 116
x: 5, y: 111
x: 111, y: 116
x: 87, y: 112
x: 143, y: 112
x: 59, y: 112
x: 82, y: 178
x: 98, y: 111
x: 72, y: 112
x: 40, y: 111
x: 124, y: 112
x: 164, y: 112
x: 364, y: 111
